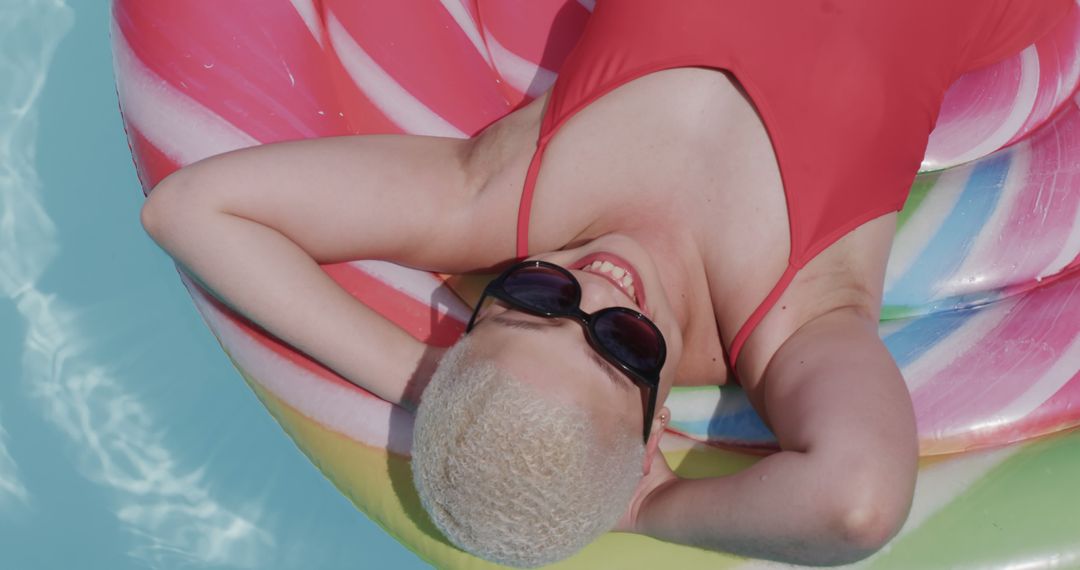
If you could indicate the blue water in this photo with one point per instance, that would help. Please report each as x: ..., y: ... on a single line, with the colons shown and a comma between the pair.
x: 127, y: 440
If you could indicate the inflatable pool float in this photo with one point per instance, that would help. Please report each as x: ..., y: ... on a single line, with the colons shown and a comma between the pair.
x: 982, y: 301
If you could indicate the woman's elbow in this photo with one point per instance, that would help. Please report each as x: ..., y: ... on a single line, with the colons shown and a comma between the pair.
x: 863, y: 519
x: 173, y: 207
x: 866, y: 529
x: 153, y: 215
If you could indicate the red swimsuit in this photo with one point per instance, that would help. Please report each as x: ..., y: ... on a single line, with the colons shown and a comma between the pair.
x: 849, y: 90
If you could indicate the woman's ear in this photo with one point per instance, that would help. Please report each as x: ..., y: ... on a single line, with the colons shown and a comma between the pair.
x: 652, y: 447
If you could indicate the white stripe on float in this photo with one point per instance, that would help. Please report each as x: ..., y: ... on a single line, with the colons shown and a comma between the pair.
x: 1064, y: 85
x: 1071, y: 248
x: 1067, y: 81
x: 460, y: 14
x: 697, y: 405
x: 1069, y: 252
x: 937, y: 486
x: 984, y: 251
x: 419, y: 285
x: 1023, y: 105
x: 589, y: 5
x: 940, y: 484
x: 405, y: 110
x: 915, y: 236
x: 955, y: 345
x: 350, y: 412
x: 177, y: 125
x: 1044, y: 388
x: 310, y: 15
x: 520, y: 73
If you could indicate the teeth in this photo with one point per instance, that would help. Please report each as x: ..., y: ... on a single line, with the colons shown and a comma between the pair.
x: 620, y: 275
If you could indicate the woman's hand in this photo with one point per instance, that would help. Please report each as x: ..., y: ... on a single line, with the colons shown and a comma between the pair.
x: 658, y: 476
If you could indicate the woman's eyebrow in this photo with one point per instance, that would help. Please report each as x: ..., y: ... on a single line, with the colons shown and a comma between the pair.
x: 525, y: 325
x: 617, y: 378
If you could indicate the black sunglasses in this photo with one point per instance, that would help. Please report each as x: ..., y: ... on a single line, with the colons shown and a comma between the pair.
x: 624, y: 337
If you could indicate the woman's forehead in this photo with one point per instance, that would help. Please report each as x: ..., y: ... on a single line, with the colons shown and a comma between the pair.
x: 553, y: 356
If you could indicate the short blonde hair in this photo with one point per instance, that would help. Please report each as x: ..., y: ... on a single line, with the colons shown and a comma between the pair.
x: 511, y: 476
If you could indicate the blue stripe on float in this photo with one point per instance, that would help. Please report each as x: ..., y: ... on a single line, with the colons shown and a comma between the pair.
x: 911, y: 341
x: 733, y: 421
x: 953, y: 240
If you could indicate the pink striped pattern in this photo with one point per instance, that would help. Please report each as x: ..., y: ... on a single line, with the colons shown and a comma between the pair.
x: 1003, y: 386
x: 308, y: 388
x: 1035, y: 233
x: 1000, y: 104
x: 256, y: 66
x: 434, y: 61
x: 1058, y: 53
x: 518, y: 33
x: 1031, y: 233
x: 976, y: 107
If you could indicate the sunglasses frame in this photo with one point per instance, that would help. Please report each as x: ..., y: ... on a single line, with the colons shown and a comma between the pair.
x: 648, y: 379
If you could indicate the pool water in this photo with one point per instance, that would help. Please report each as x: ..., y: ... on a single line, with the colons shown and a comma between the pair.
x: 127, y: 439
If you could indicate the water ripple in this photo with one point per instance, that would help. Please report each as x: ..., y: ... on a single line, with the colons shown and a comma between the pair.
x: 11, y: 488
x: 120, y: 445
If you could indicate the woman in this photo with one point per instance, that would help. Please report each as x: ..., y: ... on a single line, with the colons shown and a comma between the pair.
x: 727, y: 173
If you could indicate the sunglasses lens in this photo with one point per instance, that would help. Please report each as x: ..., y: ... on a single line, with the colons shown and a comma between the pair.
x: 542, y: 289
x: 632, y: 340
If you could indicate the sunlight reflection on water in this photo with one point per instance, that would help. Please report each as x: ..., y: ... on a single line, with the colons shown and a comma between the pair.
x: 116, y: 442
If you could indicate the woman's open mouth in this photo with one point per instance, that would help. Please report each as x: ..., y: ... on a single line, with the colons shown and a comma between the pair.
x: 618, y: 271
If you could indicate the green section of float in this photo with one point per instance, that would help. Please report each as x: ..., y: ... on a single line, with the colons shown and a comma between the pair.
x: 1025, y: 513
x: 919, y: 190
x: 377, y: 482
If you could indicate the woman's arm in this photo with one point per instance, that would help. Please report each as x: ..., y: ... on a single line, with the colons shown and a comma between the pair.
x: 253, y: 225
x: 842, y: 487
